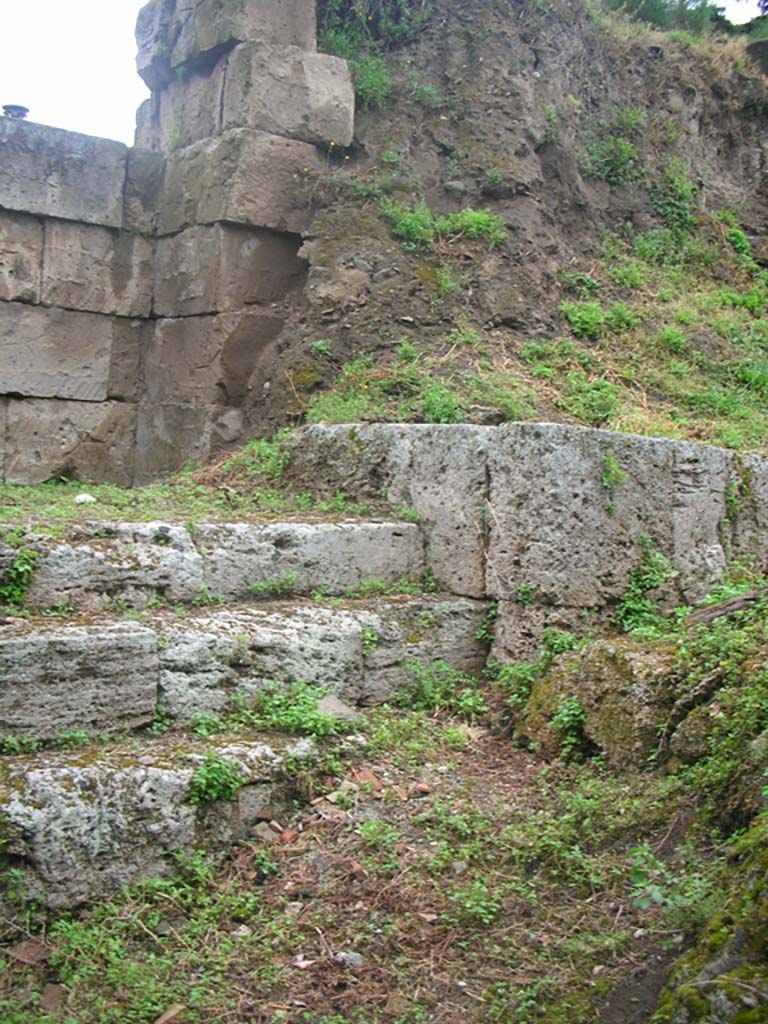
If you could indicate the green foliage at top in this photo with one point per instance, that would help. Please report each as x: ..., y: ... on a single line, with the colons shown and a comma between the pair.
x: 360, y: 31
x: 420, y: 227
x: 693, y: 16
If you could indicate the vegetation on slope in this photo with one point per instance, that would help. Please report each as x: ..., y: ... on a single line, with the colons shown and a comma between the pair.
x: 507, y: 240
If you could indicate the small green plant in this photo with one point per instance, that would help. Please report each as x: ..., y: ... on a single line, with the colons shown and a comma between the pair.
x: 16, y: 579
x: 370, y: 639
x: 672, y: 197
x: 610, y: 156
x: 587, y: 319
x: 217, y: 778
x: 636, y: 611
x: 204, y: 598
x: 437, y: 687
x: 408, y: 514
x: 277, y: 586
x: 321, y: 347
x: 261, y: 458
x: 552, y: 122
x: 475, y: 906
x: 207, y: 724
x: 569, y: 720
x: 295, y: 711
x: 593, y: 401
x: 419, y: 227
x: 613, y: 475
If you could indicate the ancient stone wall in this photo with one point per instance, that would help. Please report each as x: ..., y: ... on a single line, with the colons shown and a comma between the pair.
x: 140, y: 288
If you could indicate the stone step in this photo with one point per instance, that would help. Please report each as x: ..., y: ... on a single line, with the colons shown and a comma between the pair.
x: 106, y: 676
x: 102, y: 566
x: 77, y: 825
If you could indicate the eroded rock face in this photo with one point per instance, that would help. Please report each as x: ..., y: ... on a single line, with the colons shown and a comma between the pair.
x: 99, y: 679
x: 100, y: 564
x: 360, y: 653
x: 625, y: 690
x: 85, y: 823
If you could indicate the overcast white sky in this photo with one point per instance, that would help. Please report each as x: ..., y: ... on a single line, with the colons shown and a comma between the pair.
x: 72, y: 61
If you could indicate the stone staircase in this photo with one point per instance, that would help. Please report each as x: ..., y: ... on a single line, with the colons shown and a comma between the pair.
x: 124, y: 618
x: 127, y: 621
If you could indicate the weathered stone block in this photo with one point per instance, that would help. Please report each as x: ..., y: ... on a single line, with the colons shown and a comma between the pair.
x: 93, y: 678
x: 210, y: 657
x: 438, y: 470
x: 99, y: 564
x: 331, y: 555
x: 287, y: 91
x: 143, y: 187
x: 223, y: 267
x: 241, y: 176
x: 54, y: 353
x: 211, y: 26
x: 82, y: 828
x: 154, y: 32
x: 557, y: 532
x: 21, y: 245
x: 61, y: 174
x: 170, y: 435
x: 96, y: 269
x: 206, y: 360
x: 625, y: 691
x: 89, y: 440
x: 185, y: 111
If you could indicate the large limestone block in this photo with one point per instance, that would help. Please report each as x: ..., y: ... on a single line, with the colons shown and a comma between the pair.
x: 362, y: 654
x: 698, y: 499
x: 61, y: 174
x: 21, y: 246
x: 145, y: 174
x: 186, y: 110
x: 558, y: 534
x: 438, y: 470
x: 746, y: 507
x: 333, y: 556
x: 287, y: 91
x: 223, y: 267
x: 242, y: 176
x: 93, y: 678
x: 55, y: 353
x: 87, y: 440
x: 212, y: 25
x: 208, y: 359
x: 86, y: 823
x: 154, y: 30
x: 96, y: 269
x: 169, y: 435
x: 99, y: 565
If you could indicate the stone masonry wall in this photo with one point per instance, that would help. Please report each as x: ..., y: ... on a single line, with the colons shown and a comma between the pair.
x: 140, y: 288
